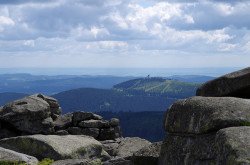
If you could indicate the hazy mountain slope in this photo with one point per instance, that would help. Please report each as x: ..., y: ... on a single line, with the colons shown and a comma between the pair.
x: 90, y: 99
x: 8, y: 97
x: 25, y: 83
x: 192, y: 78
x: 154, y: 94
x: 158, y: 87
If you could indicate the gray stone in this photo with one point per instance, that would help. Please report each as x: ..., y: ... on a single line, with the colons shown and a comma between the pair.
x: 94, y: 132
x: 188, y: 150
x: 236, y: 84
x: 130, y: 145
x: 109, y: 133
x: 118, y: 161
x: 233, y: 146
x: 55, y: 147
x: 97, y: 117
x: 198, y: 115
x: 111, y: 147
x: 63, y: 121
x: 53, y: 103
x: 114, y: 122
x: 71, y: 162
x: 148, y: 155
x: 94, y: 124
x: 10, y: 156
x: 62, y: 132
x: 30, y: 115
x: 81, y: 116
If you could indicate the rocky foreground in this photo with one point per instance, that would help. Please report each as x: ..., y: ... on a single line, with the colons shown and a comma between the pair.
x: 210, y: 128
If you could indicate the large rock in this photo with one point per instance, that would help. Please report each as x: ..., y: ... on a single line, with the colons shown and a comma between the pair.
x: 148, y: 155
x: 55, y: 147
x: 63, y: 121
x: 111, y: 147
x: 94, y: 124
x: 71, y: 162
x: 53, y: 103
x: 130, y: 145
x: 198, y: 115
x: 118, y: 161
x: 109, y: 133
x: 30, y: 115
x: 236, y: 84
x: 81, y: 116
x: 188, y: 150
x: 13, y: 157
x: 233, y: 146
x: 94, y: 132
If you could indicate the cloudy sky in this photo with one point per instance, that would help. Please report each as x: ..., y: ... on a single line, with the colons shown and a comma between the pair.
x: 124, y: 33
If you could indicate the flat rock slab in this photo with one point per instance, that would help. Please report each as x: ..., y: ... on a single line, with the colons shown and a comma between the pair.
x: 233, y: 146
x: 55, y: 147
x: 199, y: 115
x: 188, y: 150
x: 148, y: 155
x: 10, y: 156
x: 236, y: 84
x: 129, y: 145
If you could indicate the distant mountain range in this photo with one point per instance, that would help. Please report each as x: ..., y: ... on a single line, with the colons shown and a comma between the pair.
x: 139, y: 103
x: 26, y: 83
x: 143, y: 94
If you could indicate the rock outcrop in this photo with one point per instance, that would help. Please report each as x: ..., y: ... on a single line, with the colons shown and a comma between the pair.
x: 31, y: 115
x: 234, y: 84
x: 55, y: 147
x: 233, y: 145
x: 12, y: 157
x: 34, y: 126
x: 87, y: 123
x: 40, y: 114
x: 148, y: 155
x: 212, y: 128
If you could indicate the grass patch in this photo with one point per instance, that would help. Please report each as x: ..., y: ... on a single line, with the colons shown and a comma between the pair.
x: 46, y: 161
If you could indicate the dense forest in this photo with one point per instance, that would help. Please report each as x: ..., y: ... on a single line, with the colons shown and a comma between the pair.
x: 147, y: 125
x: 144, y: 94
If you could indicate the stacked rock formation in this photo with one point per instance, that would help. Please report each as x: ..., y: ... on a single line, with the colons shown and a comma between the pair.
x: 212, y: 127
x: 87, y: 123
x: 40, y: 114
x: 33, y: 128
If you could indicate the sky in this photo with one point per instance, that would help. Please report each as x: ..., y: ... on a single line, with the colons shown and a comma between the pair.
x: 124, y: 33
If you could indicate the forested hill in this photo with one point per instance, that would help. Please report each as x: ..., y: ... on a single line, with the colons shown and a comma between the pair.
x: 144, y: 94
x: 158, y: 87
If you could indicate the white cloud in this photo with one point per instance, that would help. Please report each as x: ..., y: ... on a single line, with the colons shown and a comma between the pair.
x: 123, y: 30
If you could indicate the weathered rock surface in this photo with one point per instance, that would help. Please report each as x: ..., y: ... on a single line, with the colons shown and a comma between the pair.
x: 109, y: 133
x: 199, y: 115
x: 234, y: 84
x: 130, y: 145
x: 94, y: 124
x: 55, y: 147
x: 188, y: 150
x: 15, y: 157
x: 40, y: 114
x: 233, y: 146
x: 111, y: 147
x: 148, y: 155
x: 118, y: 161
x: 81, y: 116
x: 63, y: 121
x: 30, y: 115
x: 71, y: 162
